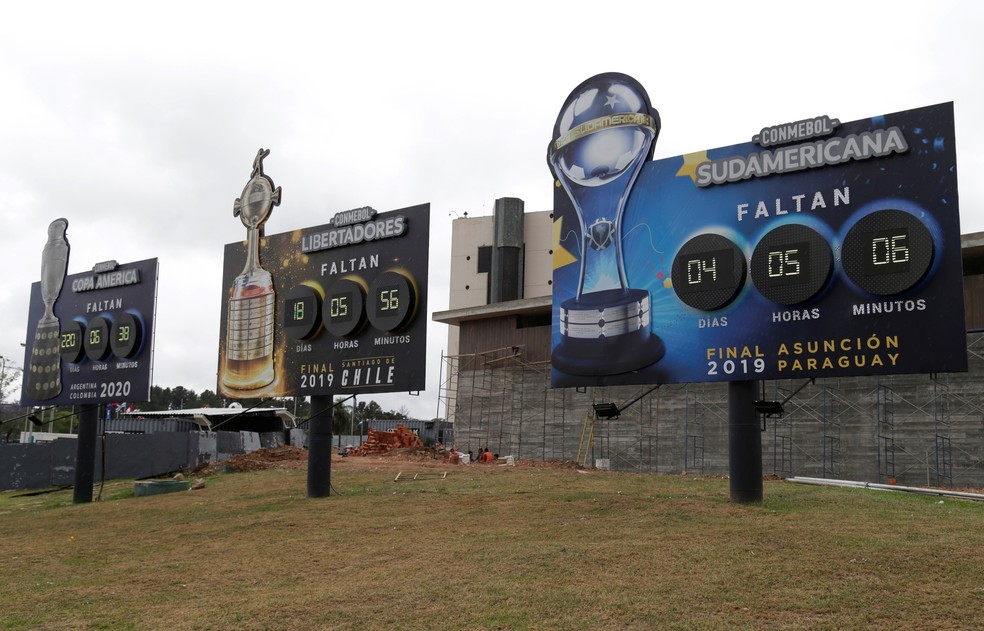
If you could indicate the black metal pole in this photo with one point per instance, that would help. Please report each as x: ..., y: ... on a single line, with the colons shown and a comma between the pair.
x: 744, y: 443
x: 319, y: 447
x: 85, y: 455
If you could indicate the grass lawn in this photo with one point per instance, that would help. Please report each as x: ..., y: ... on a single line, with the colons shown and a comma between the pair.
x: 489, y: 548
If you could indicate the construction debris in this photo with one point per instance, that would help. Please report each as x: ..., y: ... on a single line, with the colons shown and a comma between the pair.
x: 410, y: 477
x: 283, y: 457
x: 383, y: 442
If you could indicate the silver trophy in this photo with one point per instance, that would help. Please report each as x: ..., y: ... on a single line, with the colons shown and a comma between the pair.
x: 604, y: 134
x: 250, y: 315
x: 43, y: 376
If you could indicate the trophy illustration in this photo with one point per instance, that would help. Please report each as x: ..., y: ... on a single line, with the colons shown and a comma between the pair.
x: 603, y: 135
x: 43, y: 377
x: 250, y: 314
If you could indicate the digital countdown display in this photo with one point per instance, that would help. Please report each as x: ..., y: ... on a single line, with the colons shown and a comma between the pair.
x: 349, y: 306
x: 821, y: 249
x: 791, y: 264
x: 104, y: 345
x: 708, y: 272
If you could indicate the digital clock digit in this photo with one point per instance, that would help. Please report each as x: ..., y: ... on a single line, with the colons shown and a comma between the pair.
x: 887, y: 252
x: 791, y: 264
x: 72, y: 349
x: 345, y: 315
x: 708, y: 272
x: 126, y: 335
x: 788, y: 264
x: 391, y: 301
x: 96, y: 340
x: 302, y: 312
x: 341, y: 307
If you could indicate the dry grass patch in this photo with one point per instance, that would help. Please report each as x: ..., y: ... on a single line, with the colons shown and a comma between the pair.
x: 489, y: 548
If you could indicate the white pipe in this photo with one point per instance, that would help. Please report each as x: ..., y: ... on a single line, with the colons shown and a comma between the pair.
x: 887, y: 487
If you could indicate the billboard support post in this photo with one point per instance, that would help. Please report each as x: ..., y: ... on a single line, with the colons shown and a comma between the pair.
x: 85, y: 458
x: 744, y: 443
x: 319, y: 446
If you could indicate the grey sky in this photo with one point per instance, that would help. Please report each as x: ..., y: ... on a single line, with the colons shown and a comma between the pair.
x: 139, y: 123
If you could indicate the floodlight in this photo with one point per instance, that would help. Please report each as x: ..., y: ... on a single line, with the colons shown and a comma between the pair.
x: 606, y: 410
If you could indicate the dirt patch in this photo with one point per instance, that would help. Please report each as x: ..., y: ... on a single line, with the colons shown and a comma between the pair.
x: 289, y: 457
x: 285, y: 457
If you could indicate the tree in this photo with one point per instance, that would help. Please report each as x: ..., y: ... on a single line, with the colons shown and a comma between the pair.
x: 370, y: 410
x: 209, y: 399
x: 341, y: 417
x: 10, y: 378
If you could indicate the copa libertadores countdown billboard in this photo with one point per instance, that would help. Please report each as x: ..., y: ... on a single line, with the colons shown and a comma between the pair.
x: 822, y: 248
x: 332, y: 309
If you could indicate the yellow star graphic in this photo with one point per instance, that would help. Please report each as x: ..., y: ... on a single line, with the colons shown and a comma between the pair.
x: 690, y: 163
x: 561, y: 256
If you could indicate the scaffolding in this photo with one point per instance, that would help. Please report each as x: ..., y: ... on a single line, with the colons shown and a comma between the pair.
x: 832, y: 426
x: 941, y: 414
x: 693, y: 454
x: 913, y: 429
x: 886, y: 434
x: 782, y: 436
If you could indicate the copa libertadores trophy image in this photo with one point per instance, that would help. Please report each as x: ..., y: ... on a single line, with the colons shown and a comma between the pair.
x: 44, y: 373
x: 604, y: 134
x: 251, y: 307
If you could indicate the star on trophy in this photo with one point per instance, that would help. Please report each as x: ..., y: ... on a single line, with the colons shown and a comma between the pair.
x: 43, y: 376
x: 603, y: 135
x: 250, y: 315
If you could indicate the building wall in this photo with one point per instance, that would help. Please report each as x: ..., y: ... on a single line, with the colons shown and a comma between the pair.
x: 539, y: 254
x: 469, y: 287
x: 974, y: 302
x: 913, y: 429
x: 487, y: 335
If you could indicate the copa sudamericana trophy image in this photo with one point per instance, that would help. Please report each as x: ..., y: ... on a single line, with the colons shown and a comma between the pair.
x: 604, y: 134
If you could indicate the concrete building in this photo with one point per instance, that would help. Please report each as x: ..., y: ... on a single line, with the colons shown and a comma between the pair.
x: 495, y: 386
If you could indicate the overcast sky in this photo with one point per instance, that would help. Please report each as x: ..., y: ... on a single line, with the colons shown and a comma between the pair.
x: 139, y: 122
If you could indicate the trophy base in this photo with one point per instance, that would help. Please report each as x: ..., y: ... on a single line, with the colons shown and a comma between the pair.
x: 42, y: 378
x: 607, y: 333
x: 250, y: 374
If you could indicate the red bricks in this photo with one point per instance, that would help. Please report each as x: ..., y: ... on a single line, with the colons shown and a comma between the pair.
x: 381, y: 442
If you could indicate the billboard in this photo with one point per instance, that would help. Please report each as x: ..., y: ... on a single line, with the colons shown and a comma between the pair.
x: 332, y: 309
x: 822, y: 248
x: 90, y: 335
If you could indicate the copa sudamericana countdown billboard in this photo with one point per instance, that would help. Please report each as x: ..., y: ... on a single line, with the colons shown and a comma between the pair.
x: 331, y: 309
x: 822, y: 248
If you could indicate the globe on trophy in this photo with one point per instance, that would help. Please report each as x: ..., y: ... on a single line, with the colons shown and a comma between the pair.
x: 604, y: 134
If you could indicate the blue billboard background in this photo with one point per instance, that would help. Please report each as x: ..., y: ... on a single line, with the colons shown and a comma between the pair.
x: 842, y: 330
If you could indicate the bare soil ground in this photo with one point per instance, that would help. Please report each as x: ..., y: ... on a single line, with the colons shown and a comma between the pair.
x: 289, y: 457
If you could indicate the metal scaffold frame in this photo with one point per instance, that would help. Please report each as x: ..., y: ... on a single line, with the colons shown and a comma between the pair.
x: 693, y: 448
x: 912, y: 429
x: 944, y: 421
x: 885, y: 433
x: 831, y: 434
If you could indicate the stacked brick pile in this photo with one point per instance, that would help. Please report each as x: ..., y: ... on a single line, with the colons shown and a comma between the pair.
x: 382, y: 442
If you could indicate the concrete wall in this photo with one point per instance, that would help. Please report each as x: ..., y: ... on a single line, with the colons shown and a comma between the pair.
x: 40, y: 465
